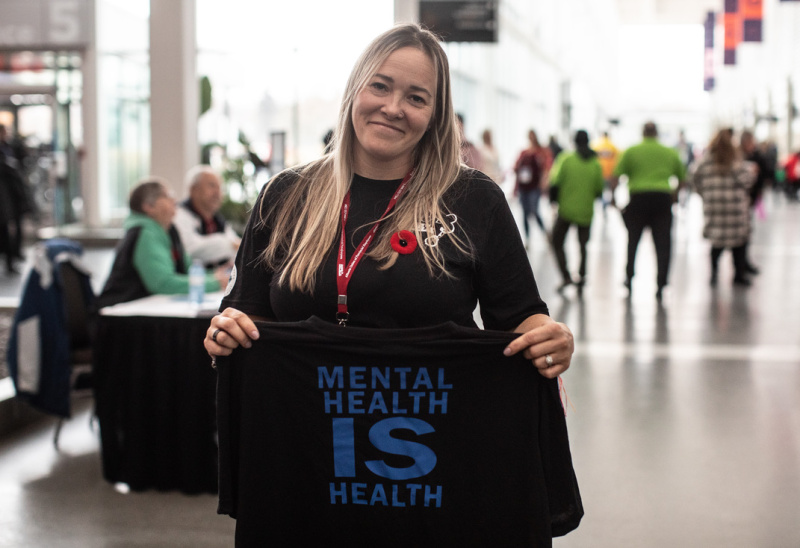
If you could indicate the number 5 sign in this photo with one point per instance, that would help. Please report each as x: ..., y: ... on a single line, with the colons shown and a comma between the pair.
x: 42, y: 24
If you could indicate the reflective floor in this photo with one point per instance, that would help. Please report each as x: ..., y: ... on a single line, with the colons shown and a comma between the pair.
x: 684, y: 418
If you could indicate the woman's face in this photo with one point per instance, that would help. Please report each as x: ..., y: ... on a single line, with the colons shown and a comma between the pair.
x: 392, y: 113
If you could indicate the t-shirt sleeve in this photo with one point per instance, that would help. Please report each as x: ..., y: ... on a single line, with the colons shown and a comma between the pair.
x: 505, y: 285
x: 249, y: 285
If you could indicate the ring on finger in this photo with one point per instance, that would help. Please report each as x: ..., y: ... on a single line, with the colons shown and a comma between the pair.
x: 548, y: 359
x: 214, y: 335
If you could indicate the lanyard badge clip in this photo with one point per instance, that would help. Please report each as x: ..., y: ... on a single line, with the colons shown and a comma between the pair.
x: 342, y: 315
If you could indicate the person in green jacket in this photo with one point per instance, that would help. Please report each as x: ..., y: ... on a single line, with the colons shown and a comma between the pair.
x: 655, y: 175
x: 150, y: 259
x: 577, y: 180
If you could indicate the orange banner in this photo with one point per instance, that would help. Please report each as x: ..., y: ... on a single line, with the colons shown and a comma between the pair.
x: 752, y: 15
x: 751, y: 9
x: 732, y: 23
x: 733, y: 27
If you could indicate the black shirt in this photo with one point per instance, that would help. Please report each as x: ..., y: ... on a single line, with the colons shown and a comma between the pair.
x: 498, y: 276
x: 427, y: 437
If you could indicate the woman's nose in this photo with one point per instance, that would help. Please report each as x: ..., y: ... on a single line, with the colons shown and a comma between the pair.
x: 393, y: 107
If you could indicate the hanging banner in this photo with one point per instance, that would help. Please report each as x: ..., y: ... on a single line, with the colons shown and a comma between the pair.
x: 708, y: 59
x: 752, y: 19
x: 461, y: 20
x: 733, y: 25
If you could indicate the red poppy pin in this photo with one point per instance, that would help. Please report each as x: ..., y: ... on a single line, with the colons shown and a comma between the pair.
x: 404, y: 242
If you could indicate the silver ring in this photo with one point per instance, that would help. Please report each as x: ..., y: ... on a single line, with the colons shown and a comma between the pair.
x: 548, y: 359
x: 214, y: 335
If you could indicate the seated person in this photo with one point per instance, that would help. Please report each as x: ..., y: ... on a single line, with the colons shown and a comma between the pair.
x: 150, y: 259
x: 204, y: 232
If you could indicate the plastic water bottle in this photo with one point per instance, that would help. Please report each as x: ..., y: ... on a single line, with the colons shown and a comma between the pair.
x: 197, y: 283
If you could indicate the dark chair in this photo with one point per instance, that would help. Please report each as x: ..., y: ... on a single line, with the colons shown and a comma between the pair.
x: 80, y: 326
x: 50, y: 348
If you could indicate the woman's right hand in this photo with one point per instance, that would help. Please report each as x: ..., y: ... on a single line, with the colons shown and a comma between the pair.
x: 233, y: 328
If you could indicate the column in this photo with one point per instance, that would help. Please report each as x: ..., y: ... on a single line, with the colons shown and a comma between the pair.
x: 174, y: 102
x: 91, y: 153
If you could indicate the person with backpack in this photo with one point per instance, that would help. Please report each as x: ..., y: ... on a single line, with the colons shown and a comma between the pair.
x: 531, y: 170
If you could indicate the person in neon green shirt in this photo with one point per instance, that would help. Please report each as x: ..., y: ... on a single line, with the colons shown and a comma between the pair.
x: 651, y: 169
x: 578, y: 176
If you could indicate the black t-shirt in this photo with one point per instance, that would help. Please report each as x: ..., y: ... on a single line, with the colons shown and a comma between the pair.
x: 498, y: 276
x: 425, y: 437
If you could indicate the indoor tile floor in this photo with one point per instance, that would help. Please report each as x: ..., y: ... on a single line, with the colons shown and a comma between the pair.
x: 684, y: 417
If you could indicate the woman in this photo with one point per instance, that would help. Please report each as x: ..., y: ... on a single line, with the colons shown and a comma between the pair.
x: 578, y: 178
x: 532, y: 167
x: 724, y: 183
x: 443, y: 238
x: 150, y: 258
x: 491, y: 159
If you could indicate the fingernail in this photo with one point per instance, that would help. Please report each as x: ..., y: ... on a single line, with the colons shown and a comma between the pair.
x: 248, y: 344
x: 254, y: 334
x: 507, y: 351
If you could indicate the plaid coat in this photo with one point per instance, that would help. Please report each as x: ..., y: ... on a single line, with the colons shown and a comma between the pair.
x: 726, y: 201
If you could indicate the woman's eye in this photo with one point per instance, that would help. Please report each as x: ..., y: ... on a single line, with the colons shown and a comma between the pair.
x: 379, y: 86
x: 417, y: 99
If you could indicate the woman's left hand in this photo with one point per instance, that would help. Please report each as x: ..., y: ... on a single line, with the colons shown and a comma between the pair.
x: 542, y: 337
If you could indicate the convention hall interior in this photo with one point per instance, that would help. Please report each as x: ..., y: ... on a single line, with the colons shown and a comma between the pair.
x: 682, y: 405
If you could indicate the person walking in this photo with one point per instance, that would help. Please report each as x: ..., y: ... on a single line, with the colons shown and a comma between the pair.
x: 577, y: 178
x: 791, y: 169
x: 725, y: 183
x: 14, y: 203
x: 649, y: 167
x: 490, y: 158
x: 554, y: 146
x: 470, y: 154
x: 607, y: 154
x: 750, y: 152
x: 531, y: 169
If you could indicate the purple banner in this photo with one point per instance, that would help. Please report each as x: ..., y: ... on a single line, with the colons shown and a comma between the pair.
x: 708, y: 60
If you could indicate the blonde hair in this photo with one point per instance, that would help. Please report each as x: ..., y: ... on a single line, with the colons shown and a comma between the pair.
x: 306, y: 220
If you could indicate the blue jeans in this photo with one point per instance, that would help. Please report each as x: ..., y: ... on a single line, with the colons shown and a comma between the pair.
x: 530, y: 206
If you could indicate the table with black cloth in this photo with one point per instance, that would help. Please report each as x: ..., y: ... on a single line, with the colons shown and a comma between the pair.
x: 155, y: 395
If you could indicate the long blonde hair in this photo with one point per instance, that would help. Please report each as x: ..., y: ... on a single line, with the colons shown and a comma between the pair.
x: 305, y: 221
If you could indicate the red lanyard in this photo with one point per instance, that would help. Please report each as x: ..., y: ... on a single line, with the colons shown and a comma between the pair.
x: 344, y: 270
